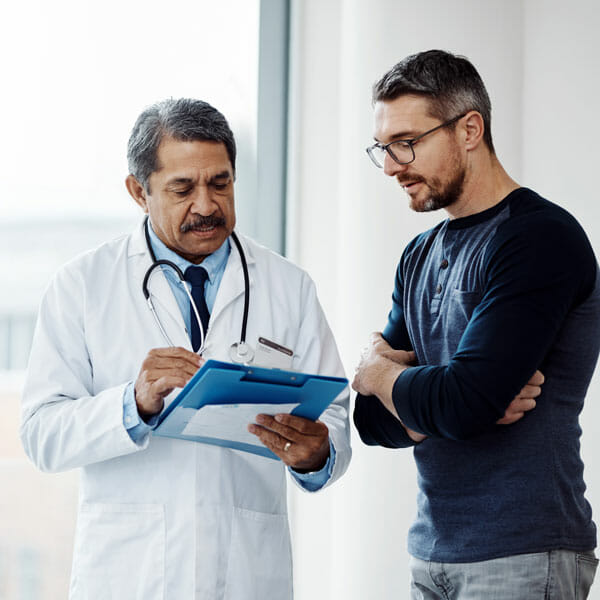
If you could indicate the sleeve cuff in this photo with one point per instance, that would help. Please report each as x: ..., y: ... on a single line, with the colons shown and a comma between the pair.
x: 315, y: 480
x: 133, y: 423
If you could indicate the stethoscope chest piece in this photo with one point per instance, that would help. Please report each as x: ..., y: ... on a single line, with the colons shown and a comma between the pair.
x: 241, y: 352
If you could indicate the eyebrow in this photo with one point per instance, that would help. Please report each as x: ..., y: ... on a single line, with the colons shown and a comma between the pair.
x: 221, y: 175
x: 190, y: 181
x: 179, y: 181
x: 403, y: 135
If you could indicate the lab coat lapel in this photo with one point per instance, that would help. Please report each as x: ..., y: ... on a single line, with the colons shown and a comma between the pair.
x: 161, y: 294
x: 232, y: 284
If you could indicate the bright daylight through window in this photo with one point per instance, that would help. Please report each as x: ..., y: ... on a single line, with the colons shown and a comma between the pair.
x: 79, y: 74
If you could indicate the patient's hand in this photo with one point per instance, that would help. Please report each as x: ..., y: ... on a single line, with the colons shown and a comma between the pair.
x: 524, y: 400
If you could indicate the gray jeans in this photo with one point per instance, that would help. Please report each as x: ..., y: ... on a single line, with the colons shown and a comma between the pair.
x: 555, y: 575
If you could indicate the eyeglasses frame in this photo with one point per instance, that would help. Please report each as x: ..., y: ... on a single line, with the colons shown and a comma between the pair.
x: 410, y: 142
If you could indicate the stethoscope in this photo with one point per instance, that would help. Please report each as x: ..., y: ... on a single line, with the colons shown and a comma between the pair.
x: 239, y: 352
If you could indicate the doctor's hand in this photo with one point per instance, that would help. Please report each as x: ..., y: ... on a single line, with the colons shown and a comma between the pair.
x: 300, y: 443
x: 163, y: 370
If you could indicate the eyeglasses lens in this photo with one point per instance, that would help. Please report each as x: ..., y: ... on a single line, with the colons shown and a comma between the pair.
x: 401, y: 152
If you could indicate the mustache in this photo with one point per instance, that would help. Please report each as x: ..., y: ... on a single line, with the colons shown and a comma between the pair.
x: 405, y: 180
x: 201, y: 222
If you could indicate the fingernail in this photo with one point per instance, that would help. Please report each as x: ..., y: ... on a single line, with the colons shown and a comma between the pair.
x: 261, y: 419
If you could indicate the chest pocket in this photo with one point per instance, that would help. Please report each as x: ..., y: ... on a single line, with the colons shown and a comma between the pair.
x: 462, y: 305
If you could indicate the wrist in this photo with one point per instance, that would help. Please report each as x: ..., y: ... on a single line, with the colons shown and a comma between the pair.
x: 388, y: 373
x: 316, y: 464
x: 145, y: 413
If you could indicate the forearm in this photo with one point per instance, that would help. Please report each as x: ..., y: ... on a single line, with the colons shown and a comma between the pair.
x: 61, y: 433
x: 440, y: 402
x: 379, y: 380
x: 377, y: 426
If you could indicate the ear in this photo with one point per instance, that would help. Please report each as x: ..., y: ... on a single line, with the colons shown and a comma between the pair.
x: 473, y: 130
x: 137, y: 192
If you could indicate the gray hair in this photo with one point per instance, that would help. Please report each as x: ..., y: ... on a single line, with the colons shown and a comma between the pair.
x: 450, y: 82
x: 183, y: 119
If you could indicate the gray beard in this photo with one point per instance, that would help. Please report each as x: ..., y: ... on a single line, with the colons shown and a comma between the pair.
x: 443, y: 197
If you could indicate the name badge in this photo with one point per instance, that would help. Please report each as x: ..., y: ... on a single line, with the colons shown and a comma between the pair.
x: 272, y: 355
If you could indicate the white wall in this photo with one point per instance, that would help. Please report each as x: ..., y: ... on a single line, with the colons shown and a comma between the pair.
x: 348, y: 223
x: 561, y: 156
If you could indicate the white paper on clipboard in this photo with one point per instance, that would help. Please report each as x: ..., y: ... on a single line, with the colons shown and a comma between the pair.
x: 230, y: 421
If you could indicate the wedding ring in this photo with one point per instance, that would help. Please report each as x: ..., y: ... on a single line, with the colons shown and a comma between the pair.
x: 287, y: 446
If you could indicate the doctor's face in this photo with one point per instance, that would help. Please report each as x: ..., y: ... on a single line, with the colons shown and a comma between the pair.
x: 190, y: 197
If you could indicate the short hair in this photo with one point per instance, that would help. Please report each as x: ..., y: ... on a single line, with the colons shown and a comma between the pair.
x: 183, y: 119
x: 450, y: 82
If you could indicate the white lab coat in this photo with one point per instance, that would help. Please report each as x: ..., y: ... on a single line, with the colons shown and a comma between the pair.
x: 167, y: 519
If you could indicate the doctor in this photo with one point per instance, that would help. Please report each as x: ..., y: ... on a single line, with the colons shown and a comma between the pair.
x: 163, y: 518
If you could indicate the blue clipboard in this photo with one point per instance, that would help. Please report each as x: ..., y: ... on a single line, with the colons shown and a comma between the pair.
x: 233, y: 386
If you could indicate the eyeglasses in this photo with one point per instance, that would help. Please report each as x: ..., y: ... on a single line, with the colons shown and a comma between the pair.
x: 401, y: 151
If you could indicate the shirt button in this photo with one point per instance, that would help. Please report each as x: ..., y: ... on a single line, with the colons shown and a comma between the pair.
x: 438, y: 289
x: 444, y: 264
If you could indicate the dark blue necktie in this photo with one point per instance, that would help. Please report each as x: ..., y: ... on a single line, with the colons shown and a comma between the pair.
x: 197, y: 276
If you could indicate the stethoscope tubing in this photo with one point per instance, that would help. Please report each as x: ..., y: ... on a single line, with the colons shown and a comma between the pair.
x: 234, y: 237
x: 167, y: 263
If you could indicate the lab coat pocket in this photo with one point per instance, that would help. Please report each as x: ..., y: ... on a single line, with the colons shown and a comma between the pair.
x: 119, y: 552
x: 260, y: 558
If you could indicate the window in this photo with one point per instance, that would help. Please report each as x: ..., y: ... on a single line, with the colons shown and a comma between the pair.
x: 81, y: 72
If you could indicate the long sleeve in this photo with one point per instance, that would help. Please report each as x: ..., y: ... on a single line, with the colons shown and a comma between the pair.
x: 136, y: 427
x: 375, y: 424
x: 64, y: 424
x: 536, y: 271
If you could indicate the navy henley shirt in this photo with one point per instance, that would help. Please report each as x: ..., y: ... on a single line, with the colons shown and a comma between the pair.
x: 484, y: 301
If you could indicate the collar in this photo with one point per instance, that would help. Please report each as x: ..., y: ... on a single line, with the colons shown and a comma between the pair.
x: 213, y: 263
x: 137, y: 245
x: 485, y: 215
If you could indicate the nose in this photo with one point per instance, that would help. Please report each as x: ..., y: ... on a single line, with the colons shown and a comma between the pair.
x: 202, y: 203
x: 391, y: 167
